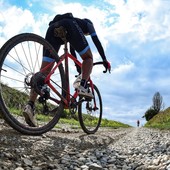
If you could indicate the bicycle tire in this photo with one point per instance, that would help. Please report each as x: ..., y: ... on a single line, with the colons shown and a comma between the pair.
x: 13, y: 68
x: 90, y: 119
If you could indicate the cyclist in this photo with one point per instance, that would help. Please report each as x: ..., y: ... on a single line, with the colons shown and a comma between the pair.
x: 76, y: 30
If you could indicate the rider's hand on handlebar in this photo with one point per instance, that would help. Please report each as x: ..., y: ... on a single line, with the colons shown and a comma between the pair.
x: 107, y: 66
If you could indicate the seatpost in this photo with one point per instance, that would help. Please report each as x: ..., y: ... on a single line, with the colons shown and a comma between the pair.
x: 65, y: 47
x: 66, y: 66
x: 62, y: 32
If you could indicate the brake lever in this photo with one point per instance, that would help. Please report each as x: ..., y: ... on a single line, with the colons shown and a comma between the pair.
x: 105, y: 71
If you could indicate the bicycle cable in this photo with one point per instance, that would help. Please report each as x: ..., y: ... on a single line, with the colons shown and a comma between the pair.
x: 62, y: 88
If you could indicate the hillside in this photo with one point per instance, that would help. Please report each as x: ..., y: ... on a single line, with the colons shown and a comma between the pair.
x: 161, y: 120
x: 20, y: 98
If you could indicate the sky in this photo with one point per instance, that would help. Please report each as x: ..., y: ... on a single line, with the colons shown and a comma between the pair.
x: 135, y: 35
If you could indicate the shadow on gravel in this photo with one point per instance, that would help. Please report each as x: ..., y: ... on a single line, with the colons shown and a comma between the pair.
x: 52, y: 142
x: 55, y: 140
x: 35, y: 150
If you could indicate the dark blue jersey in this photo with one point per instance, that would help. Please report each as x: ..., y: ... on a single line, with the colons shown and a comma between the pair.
x: 76, y: 29
x: 88, y: 29
x: 87, y: 26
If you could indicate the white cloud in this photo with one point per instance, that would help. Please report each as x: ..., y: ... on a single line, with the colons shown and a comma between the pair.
x: 15, y: 20
x: 137, y: 30
x: 141, y: 20
x: 122, y: 69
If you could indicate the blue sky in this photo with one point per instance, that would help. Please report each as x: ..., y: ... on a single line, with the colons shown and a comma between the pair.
x: 135, y: 35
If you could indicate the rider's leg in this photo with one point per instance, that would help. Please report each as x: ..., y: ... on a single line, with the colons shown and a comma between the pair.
x: 87, y: 66
x: 29, y: 111
x: 47, y: 59
x: 33, y: 94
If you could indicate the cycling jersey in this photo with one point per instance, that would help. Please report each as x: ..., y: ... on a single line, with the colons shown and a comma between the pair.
x: 87, y: 26
x: 60, y: 17
x: 76, y: 31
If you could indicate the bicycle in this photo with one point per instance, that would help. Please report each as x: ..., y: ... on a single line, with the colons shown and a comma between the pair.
x: 20, y: 59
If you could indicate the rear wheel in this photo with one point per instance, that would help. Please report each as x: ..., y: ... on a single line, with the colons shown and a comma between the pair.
x: 20, y: 59
x: 90, y: 112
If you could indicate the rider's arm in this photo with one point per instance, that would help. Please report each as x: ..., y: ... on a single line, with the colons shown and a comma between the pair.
x: 101, y: 52
x: 98, y: 45
x: 95, y: 39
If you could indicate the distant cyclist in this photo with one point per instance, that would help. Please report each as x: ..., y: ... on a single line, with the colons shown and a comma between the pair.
x: 138, y: 123
x: 76, y: 30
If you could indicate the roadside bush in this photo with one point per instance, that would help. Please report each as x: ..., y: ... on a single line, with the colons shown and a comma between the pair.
x: 150, y: 113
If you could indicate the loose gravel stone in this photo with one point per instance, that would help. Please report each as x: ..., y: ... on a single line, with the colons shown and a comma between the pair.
x: 108, y: 149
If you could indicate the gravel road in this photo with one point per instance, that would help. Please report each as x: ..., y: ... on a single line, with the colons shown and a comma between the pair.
x: 69, y: 149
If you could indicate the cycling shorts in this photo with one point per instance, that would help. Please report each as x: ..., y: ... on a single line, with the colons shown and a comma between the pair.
x: 75, y: 36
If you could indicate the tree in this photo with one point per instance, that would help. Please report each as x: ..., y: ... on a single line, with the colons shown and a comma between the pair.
x: 149, y: 114
x: 157, y: 102
x: 155, y: 108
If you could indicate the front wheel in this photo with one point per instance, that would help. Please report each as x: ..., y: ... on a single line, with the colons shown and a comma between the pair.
x: 20, y: 58
x: 90, y: 112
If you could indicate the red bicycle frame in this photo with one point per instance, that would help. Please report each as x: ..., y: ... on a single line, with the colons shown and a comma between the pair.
x: 65, y: 57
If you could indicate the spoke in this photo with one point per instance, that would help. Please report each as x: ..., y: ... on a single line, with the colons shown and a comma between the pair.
x: 28, y: 43
x: 12, y: 79
x: 25, y: 55
x: 37, y: 54
x: 14, y: 70
x: 24, y: 68
x: 20, y: 62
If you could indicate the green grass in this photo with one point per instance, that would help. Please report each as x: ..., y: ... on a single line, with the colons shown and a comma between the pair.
x: 70, y: 121
x: 104, y: 123
x: 161, y: 120
x: 113, y: 124
x: 15, y: 99
x: 89, y: 120
x: 74, y: 122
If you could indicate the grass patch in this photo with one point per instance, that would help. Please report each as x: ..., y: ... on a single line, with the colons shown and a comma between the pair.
x: 69, y: 121
x: 161, y: 120
x: 74, y: 122
x: 113, y: 124
x: 15, y: 100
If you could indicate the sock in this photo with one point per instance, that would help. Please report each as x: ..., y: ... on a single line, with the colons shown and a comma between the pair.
x: 83, y: 83
x: 31, y: 103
